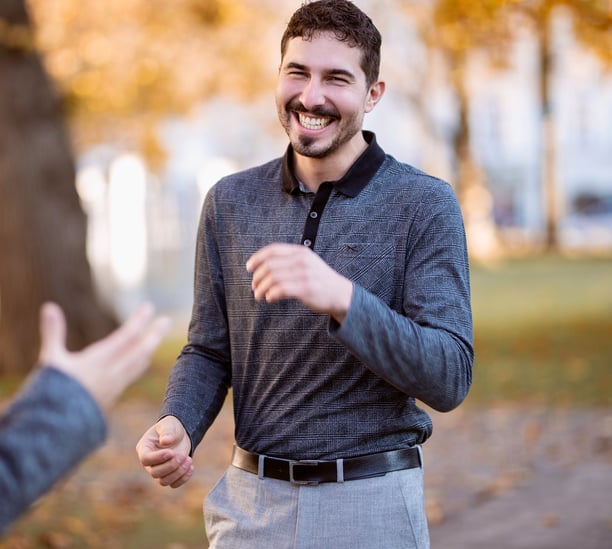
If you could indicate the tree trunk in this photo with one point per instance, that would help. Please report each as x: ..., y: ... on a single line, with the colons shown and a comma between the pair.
x: 42, y: 224
x: 474, y: 196
x: 548, y: 170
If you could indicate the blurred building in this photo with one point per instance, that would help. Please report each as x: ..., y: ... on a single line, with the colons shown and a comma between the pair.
x: 507, y: 138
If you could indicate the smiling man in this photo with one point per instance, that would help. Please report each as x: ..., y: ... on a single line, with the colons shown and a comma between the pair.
x: 332, y: 292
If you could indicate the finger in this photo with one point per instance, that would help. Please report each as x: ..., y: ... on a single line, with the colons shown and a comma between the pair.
x: 155, y: 333
x: 52, y: 333
x: 183, y: 479
x: 179, y: 475
x: 170, y: 470
x: 270, y: 272
x: 171, y: 432
x: 140, y: 317
x: 264, y: 254
x: 278, y: 278
x: 127, y: 335
x: 153, y: 459
x: 262, y: 280
x: 256, y: 259
x: 149, y: 450
x: 138, y: 355
x: 132, y: 328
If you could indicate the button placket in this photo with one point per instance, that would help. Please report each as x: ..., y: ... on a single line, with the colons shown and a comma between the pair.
x: 311, y: 226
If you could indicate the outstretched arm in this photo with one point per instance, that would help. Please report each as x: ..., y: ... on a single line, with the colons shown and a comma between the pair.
x: 107, y: 367
x: 56, y: 420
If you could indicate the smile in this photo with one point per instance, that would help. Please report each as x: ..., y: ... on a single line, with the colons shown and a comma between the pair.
x: 313, y: 122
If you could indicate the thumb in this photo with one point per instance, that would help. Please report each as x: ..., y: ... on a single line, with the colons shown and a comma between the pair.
x: 169, y: 431
x: 52, y: 333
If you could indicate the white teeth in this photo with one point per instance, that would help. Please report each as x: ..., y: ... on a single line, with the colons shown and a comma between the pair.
x: 312, y: 123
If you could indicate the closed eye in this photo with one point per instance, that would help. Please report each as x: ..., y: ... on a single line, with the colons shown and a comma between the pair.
x: 297, y: 74
x: 341, y: 76
x: 296, y: 70
x: 338, y: 80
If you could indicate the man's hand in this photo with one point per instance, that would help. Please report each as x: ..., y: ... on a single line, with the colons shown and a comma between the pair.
x: 284, y: 271
x: 164, y: 452
x: 108, y: 366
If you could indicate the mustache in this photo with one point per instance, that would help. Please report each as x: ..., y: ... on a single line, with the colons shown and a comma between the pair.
x: 297, y: 106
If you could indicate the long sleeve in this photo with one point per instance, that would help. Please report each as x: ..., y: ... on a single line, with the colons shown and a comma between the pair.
x: 50, y: 426
x: 201, y: 376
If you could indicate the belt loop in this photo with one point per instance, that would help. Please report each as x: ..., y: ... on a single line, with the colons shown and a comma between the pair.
x: 422, y: 464
x: 340, y: 470
x: 260, y: 467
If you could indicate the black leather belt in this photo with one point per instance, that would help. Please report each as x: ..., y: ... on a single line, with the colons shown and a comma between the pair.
x: 314, y: 471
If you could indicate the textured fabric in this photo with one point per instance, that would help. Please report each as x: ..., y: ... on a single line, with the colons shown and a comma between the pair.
x: 50, y: 426
x: 303, y: 386
x: 245, y: 512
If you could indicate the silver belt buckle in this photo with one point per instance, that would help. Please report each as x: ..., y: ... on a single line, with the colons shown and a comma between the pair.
x: 306, y: 463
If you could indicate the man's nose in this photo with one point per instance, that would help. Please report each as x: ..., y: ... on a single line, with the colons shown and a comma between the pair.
x: 312, y: 95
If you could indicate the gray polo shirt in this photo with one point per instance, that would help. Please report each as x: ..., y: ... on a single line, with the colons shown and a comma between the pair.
x: 303, y: 386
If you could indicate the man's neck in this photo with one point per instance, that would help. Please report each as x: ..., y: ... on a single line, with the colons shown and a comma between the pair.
x: 311, y: 172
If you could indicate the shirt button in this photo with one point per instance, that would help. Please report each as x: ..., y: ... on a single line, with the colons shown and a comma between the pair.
x: 307, y: 243
x: 314, y: 215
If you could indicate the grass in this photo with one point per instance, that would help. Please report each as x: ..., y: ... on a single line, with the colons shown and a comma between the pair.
x: 543, y: 332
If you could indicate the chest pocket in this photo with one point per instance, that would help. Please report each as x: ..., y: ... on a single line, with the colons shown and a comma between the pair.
x: 372, y: 265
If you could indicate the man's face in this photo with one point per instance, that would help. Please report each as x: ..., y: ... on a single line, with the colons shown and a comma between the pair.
x: 322, y: 95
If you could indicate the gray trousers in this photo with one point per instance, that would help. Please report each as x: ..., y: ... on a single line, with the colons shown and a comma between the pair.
x: 244, y: 511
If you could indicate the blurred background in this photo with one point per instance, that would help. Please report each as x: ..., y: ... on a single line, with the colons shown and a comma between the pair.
x: 116, y: 117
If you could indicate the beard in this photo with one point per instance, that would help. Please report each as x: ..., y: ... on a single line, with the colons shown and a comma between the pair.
x: 313, y: 146
x: 307, y: 146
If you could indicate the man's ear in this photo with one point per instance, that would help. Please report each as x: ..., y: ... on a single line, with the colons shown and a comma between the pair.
x: 375, y: 94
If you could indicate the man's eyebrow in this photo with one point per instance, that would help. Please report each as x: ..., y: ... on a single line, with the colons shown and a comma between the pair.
x: 298, y: 66
x: 334, y: 72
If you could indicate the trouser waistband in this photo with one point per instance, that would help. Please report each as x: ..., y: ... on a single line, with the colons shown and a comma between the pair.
x: 302, y: 472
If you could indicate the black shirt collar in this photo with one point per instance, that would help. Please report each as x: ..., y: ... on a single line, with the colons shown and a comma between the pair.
x: 353, y: 181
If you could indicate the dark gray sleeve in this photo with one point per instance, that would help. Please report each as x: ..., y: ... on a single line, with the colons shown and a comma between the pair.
x: 200, y: 379
x: 51, y: 425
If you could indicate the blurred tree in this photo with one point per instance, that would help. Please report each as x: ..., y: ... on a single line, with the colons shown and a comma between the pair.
x: 456, y: 30
x: 42, y: 225
x: 592, y: 21
x: 459, y: 30
x: 121, y: 65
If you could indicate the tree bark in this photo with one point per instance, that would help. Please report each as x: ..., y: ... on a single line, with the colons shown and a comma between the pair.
x: 42, y: 224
